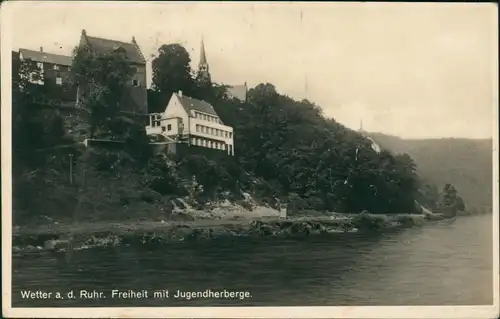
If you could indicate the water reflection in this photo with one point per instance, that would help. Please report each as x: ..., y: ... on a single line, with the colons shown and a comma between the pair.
x: 437, y: 264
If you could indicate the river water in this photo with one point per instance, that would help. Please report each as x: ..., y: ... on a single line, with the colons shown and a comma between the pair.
x: 441, y: 263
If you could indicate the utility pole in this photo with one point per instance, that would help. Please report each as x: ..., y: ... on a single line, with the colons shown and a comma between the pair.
x: 71, y: 169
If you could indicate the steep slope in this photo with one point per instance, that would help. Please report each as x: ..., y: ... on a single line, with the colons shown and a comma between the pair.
x: 465, y: 163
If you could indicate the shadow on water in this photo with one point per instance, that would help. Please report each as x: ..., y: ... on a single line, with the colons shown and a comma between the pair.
x: 436, y: 264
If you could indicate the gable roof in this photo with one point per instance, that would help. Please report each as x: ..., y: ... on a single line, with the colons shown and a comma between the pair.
x: 191, y: 104
x: 102, y: 46
x: 39, y: 56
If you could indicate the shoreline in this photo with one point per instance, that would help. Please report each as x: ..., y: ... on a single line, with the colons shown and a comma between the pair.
x: 64, y: 237
x: 220, y: 221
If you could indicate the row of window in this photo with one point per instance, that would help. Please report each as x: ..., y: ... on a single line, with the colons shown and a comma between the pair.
x: 206, y: 117
x: 59, y: 81
x: 54, y: 66
x: 213, y: 131
x: 210, y: 144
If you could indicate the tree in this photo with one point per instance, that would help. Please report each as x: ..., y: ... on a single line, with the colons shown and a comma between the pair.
x: 101, y: 79
x: 33, y: 126
x: 450, y: 200
x: 171, y: 73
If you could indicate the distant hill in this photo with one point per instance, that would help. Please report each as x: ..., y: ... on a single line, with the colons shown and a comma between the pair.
x: 465, y: 163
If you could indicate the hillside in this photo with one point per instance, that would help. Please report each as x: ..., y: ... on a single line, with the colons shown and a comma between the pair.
x: 285, y: 151
x: 465, y: 163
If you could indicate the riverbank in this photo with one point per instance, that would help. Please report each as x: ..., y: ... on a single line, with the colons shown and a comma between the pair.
x: 62, y: 237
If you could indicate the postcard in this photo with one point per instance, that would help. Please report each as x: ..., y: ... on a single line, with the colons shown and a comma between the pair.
x: 249, y: 160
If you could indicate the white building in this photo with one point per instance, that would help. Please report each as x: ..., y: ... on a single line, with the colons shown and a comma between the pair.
x: 192, y: 121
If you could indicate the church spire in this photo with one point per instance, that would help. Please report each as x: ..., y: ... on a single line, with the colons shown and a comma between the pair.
x: 203, y: 70
x: 203, y: 56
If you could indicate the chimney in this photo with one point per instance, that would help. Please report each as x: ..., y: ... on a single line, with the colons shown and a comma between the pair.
x: 180, y: 93
x: 41, y: 49
x: 133, y: 40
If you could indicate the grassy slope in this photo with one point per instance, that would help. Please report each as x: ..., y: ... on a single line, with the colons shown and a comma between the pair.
x: 465, y: 163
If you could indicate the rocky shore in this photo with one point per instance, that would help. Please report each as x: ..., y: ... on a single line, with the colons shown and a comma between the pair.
x: 62, y: 237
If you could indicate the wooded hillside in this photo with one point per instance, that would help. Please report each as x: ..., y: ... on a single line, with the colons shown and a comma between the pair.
x: 465, y: 163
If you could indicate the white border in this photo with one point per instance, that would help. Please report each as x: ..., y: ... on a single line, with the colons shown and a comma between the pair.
x: 465, y: 312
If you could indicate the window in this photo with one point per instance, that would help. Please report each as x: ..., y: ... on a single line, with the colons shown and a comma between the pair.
x: 59, y: 81
x: 193, y: 141
x: 212, y: 131
x: 163, y: 128
x: 211, y: 144
x: 204, y: 142
x: 230, y: 135
x: 135, y: 82
x: 225, y: 134
x: 169, y: 127
x: 56, y: 67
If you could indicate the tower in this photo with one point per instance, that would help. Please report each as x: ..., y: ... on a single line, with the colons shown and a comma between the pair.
x: 203, y: 69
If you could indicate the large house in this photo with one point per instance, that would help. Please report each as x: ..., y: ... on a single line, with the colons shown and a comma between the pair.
x: 55, y: 67
x: 55, y: 72
x: 135, y: 96
x: 193, y: 121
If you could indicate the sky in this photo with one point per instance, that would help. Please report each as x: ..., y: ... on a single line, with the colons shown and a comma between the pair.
x: 415, y: 70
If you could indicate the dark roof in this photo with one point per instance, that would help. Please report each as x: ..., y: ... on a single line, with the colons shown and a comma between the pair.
x: 103, y: 46
x: 40, y: 56
x: 190, y: 104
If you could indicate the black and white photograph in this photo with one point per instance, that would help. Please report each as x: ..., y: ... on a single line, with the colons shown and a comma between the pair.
x: 249, y: 159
